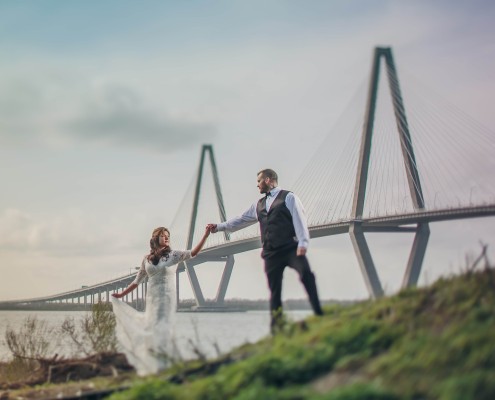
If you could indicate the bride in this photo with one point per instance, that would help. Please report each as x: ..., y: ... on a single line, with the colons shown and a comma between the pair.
x: 147, y: 338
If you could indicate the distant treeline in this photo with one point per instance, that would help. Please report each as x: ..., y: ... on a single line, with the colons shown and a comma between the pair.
x: 247, y: 304
x: 184, y: 305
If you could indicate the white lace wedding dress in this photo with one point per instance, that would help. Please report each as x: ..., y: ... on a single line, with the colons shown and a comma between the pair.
x: 147, y: 338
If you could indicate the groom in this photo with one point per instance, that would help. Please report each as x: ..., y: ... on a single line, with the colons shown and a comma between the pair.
x: 284, y: 238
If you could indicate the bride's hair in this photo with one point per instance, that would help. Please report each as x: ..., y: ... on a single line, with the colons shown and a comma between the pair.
x: 157, y: 252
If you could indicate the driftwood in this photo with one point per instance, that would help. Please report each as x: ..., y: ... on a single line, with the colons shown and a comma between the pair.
x: 55, y: 370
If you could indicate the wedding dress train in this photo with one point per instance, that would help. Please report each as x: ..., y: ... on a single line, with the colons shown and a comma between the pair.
x: 147, y: 338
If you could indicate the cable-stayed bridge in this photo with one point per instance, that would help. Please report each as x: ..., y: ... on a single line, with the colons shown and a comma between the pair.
x: 395, y: 172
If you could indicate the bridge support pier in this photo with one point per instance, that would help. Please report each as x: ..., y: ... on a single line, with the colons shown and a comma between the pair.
x: 365, y: 260
x: 198, y: 293
x: 414, y: 263
x: 224, y: 282
x: 416, y: 256
x: 193, y: 280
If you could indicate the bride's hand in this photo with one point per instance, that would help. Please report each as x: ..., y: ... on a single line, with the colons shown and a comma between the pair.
x: 212, y: 228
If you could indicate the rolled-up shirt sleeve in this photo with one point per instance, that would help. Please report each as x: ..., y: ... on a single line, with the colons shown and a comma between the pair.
x: 249, y: 217
x: 298, y: 219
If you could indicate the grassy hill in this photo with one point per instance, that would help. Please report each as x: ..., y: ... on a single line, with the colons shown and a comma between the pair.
x: 431, y: 343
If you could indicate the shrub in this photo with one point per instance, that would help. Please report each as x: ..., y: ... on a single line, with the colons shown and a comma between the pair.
x: 34, y: 339
x: 32, y: 342
x: 96, y: 333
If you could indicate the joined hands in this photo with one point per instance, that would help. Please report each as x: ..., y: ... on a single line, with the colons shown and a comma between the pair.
x: 212, y: 228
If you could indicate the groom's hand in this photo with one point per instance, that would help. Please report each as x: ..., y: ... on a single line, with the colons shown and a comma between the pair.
x: 212, y: 228
x: 301, y: 251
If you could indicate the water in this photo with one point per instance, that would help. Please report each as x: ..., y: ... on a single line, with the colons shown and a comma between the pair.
x: 206, y: 331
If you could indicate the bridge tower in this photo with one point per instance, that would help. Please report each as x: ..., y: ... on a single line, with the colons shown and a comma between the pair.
x: 188, y: 266
x: 356, y: 229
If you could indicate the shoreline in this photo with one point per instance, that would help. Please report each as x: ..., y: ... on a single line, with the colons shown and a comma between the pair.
x: 236, y: 305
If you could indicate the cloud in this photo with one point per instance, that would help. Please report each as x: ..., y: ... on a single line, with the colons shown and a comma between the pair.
x: 69, y: 234
x: 17, y: 231
x: 60, y: 111
x: 117, y: 116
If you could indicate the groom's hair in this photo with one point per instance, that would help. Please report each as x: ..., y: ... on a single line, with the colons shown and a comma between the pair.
x: 269, y: 173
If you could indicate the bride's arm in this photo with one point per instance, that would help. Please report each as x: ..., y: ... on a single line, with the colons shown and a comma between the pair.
x: 134, y: 284
x: 199, y: 246
x: 127, y: 290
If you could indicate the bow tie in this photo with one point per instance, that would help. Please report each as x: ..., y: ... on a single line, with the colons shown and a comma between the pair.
x: 268, y: 194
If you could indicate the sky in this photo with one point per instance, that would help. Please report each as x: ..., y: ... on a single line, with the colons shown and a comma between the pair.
x: 104, y: 107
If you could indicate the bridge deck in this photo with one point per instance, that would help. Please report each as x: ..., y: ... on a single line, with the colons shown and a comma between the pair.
x: 390, y: 223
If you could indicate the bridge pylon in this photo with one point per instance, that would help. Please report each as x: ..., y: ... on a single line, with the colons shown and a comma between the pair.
x: 356, y: 230
x: 188, y: 266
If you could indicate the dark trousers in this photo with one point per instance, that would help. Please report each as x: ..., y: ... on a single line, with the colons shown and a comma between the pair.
x: 274, y: 268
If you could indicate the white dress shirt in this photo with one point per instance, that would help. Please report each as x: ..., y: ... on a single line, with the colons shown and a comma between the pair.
x: 250, y: 217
